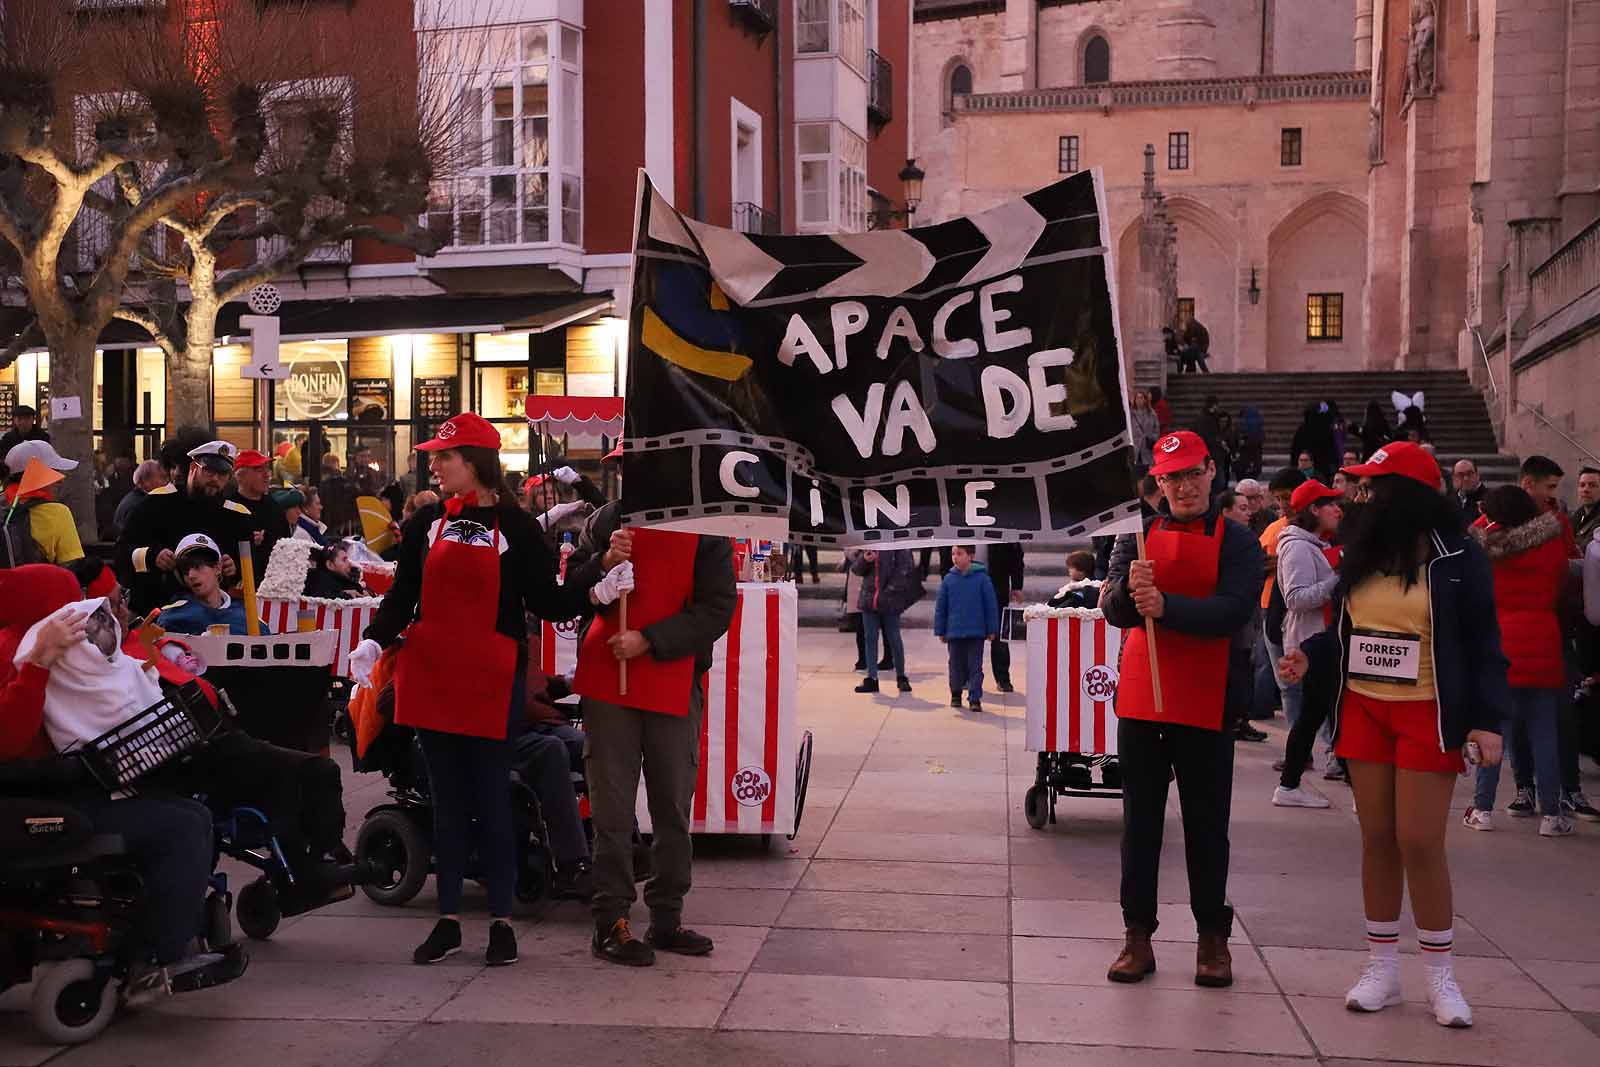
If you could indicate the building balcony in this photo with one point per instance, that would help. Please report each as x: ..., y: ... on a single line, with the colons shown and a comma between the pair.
x: 1572, y: 271
x: 759, y: 15
x: 269, y: 248
x: 880, y: 89
x: 1249, y: 91
x: 752, y: 218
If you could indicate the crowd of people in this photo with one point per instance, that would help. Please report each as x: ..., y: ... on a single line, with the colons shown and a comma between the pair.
x: 475, y: 564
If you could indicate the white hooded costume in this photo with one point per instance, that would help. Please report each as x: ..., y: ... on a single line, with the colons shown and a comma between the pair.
x: 90, y: 691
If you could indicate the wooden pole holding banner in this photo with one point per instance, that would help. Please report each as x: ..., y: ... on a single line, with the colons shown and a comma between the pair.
x: 622, y: 664
x: 247, y: 574
x: 1150, y: 636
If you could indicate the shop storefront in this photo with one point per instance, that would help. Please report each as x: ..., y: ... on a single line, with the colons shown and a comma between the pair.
x: 134, y: 378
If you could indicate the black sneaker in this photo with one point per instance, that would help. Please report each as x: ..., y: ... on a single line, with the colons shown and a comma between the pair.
x: 444, y: 941
x: 573, y: 882
x: 975, y: 705
x: 616, y: 944
x: 1576, y: 805
x: 680, y: 940
x: 860, y: 667
x: 955, y: 700
x: 904, y: 683
x: 1005, y: 687
x: 502, y: 944
x: 1245, y: 732
x: 1522, y: 806
x: 868, y: 685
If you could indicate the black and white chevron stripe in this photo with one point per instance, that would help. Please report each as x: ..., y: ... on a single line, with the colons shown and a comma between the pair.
x: 1061, y: 221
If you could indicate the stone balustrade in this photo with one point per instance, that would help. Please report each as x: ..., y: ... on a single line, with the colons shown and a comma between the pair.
x: 1571, y: 271
x: 1343, y: 85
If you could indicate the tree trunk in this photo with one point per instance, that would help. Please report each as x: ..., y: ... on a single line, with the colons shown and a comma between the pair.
x: 189, y: 382
x: 72, y: 374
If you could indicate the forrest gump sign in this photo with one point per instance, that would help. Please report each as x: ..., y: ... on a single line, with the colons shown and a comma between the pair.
x: 953, y: 382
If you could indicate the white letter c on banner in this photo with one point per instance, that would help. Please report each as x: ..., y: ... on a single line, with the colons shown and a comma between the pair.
x: 727, y: 473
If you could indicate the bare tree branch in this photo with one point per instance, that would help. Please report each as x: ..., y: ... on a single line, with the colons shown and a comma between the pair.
x: 27, y: 337
x: 149, y: 325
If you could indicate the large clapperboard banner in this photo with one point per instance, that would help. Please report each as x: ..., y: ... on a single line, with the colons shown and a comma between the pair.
x: 955, y: 382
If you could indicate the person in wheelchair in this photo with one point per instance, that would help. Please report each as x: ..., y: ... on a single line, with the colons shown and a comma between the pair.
x: 545, y: 753
x: 167, y: 836
x: 198, y: 565
x: 98, y: 686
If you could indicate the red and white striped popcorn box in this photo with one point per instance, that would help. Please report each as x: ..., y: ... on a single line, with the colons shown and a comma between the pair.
x: 346, y: 618
x: 1072, y: 681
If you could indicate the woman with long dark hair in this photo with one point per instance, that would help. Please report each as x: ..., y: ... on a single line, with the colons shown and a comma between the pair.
x: 469, y: 570
x: 1414, y: 673
x: 1374, y: 430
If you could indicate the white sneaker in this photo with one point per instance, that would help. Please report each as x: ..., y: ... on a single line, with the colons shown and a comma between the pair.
x: 1444, y: 997
x: 1300, y: 797
x: 1555, y: 826
x: 1475, y: 819
x: 1377, y: 988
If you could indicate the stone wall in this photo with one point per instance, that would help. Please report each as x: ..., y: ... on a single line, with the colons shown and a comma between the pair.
x: 1566, y: 388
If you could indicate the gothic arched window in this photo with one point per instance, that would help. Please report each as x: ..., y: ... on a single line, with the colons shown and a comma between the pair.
x: 1096, y: 60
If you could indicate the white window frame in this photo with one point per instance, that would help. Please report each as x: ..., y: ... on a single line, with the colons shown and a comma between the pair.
x: 865, y: 12
x: 846, y: 183
x: 563, y: 131
x: 833, y: 38
x: 743, y: 117
x: 803, y: 223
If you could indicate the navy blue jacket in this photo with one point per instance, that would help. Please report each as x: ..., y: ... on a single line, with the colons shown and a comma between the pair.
x: 967, y: 605
x: 1469, y: 668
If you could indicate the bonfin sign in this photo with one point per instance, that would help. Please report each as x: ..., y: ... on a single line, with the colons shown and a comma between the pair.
x: 953, y: 382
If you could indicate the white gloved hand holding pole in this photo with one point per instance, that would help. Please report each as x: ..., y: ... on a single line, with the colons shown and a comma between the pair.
x: 363, y: 658
x: 559, y: 512
x: 618, y: 580
x: 565, y: 475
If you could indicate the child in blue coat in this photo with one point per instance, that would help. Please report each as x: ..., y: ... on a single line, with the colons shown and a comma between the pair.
x: 967, y: 614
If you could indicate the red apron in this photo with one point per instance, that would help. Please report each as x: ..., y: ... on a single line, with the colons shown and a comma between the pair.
x: 663, y: 569
x: 1194, y: 670
x: 455, y: 671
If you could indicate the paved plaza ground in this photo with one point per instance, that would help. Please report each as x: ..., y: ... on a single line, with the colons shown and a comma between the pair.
x: 918, y: 920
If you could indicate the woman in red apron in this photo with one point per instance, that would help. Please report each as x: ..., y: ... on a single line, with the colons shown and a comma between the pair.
x: 468, y: 571
x: 1198, y: 582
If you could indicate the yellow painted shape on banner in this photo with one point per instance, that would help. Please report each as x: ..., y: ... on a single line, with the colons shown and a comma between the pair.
x: 660, y: 339
x: 718, y: 298
x: 375, y: 523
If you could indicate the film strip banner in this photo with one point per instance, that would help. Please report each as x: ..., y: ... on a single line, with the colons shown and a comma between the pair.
x: 954, y: 382
x: 1072, y: 683
x: 750, y: 730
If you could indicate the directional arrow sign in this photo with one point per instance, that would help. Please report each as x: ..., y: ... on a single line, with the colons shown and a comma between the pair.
x: 264, y: 362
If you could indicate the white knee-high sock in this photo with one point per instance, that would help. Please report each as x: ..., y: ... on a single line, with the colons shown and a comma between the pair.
x: 1437, y: 947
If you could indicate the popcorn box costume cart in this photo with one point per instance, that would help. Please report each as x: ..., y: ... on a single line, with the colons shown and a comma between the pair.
x: 1071, y: 721
x: 754, y: 760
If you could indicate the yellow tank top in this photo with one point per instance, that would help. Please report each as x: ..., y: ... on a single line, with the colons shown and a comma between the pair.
x: 1393, y: 617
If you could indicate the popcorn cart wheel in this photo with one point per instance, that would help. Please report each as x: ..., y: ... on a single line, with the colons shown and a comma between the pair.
x: 802, y: 778
x: 1069, y: 774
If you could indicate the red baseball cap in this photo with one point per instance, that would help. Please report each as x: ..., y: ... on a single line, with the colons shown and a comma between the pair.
x: 1309, y: 492
x: 1404, y: 458
x: 251, y: 458
x: 1179, y: 451
x: 466, y: 430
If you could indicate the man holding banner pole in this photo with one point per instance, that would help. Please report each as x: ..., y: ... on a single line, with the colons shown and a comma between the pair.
x: 649, y: 721
x: 1182, y: 601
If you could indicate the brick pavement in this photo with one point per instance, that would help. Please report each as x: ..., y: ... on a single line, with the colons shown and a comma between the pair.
x: 917, y: 919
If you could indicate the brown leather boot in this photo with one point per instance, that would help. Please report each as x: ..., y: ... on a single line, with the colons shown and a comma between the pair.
x: 1213, y: 964
x: 1137, y: 959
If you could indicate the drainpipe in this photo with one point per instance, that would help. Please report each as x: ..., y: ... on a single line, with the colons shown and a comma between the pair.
x: 702, y: 104
x: 1262, y: 65
x: 781, y: 134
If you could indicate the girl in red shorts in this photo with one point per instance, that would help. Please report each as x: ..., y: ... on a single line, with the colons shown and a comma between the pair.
x: 1413, y: 671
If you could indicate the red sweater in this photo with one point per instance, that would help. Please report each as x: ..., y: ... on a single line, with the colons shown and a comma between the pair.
x: 1530, y: 573
x: 27, y: 594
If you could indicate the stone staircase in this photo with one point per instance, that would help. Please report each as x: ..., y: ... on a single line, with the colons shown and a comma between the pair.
x: 1457, y: 417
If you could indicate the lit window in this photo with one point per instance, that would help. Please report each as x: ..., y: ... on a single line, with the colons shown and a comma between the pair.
x: 1290, y: 153
x: 1325, y: 317
x: 1096, y: 61
x: 1067, y: 154
x: 520, y: 154
x: 1178, y: 150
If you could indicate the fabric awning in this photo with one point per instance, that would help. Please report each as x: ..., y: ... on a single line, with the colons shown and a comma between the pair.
x: 587, y: 416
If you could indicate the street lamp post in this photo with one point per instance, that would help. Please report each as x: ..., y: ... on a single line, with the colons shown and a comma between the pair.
x: 910, y: 177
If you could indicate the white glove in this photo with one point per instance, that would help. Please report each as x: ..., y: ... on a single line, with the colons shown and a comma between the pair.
x: 618, y: 580
x: 565, y: 475
x: 559, y: 512
x: 363, y: 658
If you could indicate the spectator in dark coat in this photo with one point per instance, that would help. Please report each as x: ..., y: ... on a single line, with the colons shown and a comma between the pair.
x: 1005, y: 566
x: 891, y: 585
